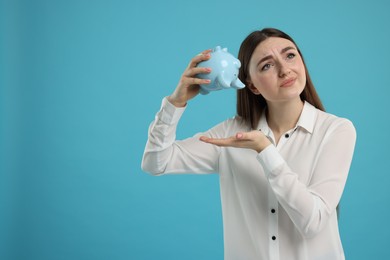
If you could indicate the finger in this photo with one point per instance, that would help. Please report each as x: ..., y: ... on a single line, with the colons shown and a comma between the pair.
x: 244, y: 136
x: 240, y: 135
x: 249, y: 135
x: 206, y: 51
x: 199, y: 58
x: 218, y: 141
x: 206, y: 139
x: 195, y: 81
x: 197, y: 70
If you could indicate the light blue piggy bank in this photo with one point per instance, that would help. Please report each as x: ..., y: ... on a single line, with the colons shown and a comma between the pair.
x: 224, y: 71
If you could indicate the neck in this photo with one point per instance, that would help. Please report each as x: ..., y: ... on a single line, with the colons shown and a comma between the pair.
x: 283, y: 116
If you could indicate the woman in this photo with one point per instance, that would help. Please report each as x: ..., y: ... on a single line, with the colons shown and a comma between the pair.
x: 280, y: 186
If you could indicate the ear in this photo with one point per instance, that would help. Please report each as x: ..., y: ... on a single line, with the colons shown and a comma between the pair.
x: 252, y: 87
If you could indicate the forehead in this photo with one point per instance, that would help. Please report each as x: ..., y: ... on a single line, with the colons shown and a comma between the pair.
x: 272, y: 45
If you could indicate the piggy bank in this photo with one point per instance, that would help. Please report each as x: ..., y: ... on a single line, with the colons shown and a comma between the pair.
x: 224, y: 71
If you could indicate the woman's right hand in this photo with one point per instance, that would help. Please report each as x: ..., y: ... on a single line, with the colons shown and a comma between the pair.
x: 188, y: 86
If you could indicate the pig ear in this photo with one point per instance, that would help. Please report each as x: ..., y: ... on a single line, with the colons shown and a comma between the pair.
x: 224, y: 49
x: 223, y: 82
x: 237, y: 84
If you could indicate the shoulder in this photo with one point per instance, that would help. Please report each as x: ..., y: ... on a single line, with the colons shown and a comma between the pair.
x: 330, y: 123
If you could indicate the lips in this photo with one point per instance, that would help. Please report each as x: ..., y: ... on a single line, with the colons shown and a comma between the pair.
x: 288, y: 82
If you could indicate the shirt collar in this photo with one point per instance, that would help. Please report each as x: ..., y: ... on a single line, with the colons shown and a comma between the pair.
x: 306, y: 119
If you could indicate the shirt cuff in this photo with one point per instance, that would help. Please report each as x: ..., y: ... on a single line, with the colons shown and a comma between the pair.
x: 270, y: 159
x: 169, y: 114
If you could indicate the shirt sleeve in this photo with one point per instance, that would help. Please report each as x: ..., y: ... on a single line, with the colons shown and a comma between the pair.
x: 310, y: 206
x: 164, y: 154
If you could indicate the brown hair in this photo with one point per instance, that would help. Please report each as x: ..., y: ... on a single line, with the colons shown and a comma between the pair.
x: 251, y: 106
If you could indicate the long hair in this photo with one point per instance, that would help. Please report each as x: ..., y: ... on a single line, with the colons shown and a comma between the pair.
x: 251, y: 106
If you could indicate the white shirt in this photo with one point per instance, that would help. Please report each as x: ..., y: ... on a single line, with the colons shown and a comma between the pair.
x: 276, y: 204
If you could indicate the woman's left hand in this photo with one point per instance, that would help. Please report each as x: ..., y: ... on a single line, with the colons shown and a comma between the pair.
x: 255, y: 140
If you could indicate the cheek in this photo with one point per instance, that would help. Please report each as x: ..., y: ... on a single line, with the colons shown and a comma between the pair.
x: 303, y: 74
x: 266, y: 81
x: 262, y: 82
x: 300, y: 68
x: 259, y: 79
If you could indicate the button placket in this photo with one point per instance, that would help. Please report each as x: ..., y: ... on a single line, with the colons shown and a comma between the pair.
x: 273, y: 225
x: 273, y: 211
x: 288, y: 134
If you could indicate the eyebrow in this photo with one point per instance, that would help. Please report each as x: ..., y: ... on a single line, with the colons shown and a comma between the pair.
x: 270, y: 56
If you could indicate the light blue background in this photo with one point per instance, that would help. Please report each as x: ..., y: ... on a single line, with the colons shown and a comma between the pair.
x: 81, y: 81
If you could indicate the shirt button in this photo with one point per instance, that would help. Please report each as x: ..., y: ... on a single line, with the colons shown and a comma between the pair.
x: 273, y: 238
x: 287, y: 135
x: 273, y: 210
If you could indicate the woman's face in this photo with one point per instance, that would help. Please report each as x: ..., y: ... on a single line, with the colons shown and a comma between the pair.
x: 277, y: 71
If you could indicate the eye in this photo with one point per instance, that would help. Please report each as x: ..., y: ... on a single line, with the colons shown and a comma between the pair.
x: 290, y: 56
x: 266, y: 67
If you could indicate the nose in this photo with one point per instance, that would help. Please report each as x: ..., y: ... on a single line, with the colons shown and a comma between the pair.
x: 284, y: 70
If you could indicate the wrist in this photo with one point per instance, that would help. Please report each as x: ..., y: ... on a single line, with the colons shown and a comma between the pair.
x: 175, y: 102
x: 263, y: 145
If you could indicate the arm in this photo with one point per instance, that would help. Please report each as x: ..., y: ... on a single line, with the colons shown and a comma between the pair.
x: 310, y: 207
x: 163, y: 154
